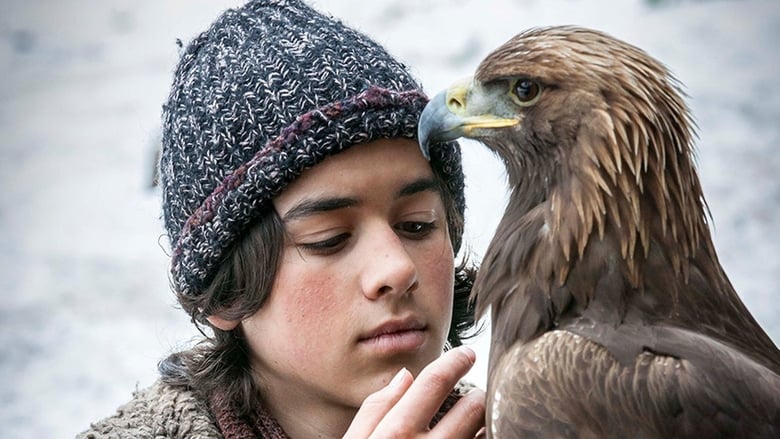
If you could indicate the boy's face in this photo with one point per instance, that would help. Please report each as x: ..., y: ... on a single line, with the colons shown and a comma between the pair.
x: 365, y: 284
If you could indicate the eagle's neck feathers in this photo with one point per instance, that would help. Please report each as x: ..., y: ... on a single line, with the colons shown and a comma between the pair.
x: 630, y: 173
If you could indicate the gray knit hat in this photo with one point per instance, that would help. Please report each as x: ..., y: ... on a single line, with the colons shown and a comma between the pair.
x: 269, y: 90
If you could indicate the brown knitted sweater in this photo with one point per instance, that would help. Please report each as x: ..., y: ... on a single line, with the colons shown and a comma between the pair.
x: 163, y: 411
x: 159, y: 411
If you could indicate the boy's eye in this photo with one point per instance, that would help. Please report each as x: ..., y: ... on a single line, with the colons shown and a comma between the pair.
x: 416, y: 229
x: 325, y: 246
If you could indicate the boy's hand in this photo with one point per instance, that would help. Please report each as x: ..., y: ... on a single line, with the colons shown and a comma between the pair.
x: 404, y: 408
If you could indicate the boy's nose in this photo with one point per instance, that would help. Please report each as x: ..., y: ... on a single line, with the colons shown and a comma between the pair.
x: 388, y: 268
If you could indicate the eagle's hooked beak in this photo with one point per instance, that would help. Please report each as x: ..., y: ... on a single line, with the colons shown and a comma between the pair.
x: 450, y: 115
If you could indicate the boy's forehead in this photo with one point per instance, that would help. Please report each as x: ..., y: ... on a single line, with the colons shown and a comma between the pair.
x: 350, y: 177
x: 370, y: 161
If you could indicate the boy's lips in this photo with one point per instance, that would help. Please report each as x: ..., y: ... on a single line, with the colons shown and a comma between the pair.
x: 394, y: 326
x: 395, y: 335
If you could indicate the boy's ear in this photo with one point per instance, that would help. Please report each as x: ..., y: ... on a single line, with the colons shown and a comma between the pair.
x: 223, y: 324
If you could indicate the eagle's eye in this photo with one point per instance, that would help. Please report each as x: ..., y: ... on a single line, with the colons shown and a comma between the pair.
x: 526, y: 91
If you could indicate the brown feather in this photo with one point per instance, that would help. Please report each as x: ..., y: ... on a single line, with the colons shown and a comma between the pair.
x: 628, y: 168
x: 612, y: 316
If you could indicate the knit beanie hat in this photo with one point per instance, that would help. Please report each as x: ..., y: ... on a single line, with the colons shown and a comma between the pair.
x: 269, y: 90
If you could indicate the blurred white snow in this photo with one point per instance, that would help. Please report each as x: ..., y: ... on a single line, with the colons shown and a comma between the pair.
x: 86, y: 311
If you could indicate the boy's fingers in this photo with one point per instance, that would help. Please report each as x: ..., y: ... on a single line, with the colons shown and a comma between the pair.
x: 377, y: 404
x: 429, y: 390
x: 405, y: 407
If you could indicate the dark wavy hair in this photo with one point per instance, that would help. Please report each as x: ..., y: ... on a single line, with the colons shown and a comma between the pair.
x: 220, y: 362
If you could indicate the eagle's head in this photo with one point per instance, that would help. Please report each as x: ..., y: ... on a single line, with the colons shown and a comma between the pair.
x: 592, y: 130
x: 530, y: 98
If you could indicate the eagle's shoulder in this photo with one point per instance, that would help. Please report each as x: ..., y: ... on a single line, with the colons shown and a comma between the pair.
x: 564, y: 384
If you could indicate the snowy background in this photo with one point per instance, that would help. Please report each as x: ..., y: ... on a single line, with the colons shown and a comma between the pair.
x: 86, y: 311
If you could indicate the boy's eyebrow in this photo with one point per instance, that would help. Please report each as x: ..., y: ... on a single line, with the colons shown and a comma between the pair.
x: 311, y: 207
x: 417, y: 186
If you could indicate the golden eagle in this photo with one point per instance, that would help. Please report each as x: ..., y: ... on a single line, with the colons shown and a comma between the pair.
x: 611, y: 314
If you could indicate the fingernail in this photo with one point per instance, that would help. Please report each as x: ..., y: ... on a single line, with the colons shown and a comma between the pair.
x: 398, y: 378
x: 469, y: 353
